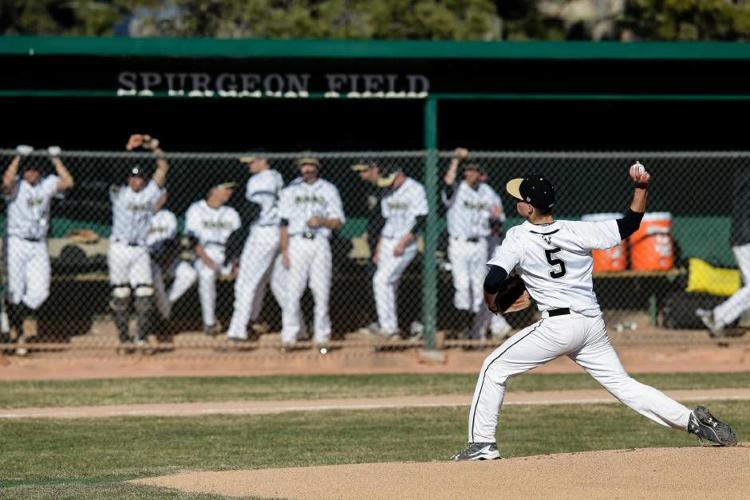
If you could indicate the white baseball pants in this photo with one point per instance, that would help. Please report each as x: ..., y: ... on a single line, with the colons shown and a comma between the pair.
x: 585, y: 341
x: 734, y: 306
x: 261, y: 247
x: 129, y: 265
x: 386, y: 280
x: 28, y: 271
x: 486, y: 319
x: 186, y: 274
x: 468, y: 268
x: 309, y: 263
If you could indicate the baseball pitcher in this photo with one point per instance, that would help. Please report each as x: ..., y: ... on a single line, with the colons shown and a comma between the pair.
x: 310, y: 209
x: 128, y: 257
x: 552, y: 259
x: 209, y: 222
x: 404, y: 207
x: 28, y: 198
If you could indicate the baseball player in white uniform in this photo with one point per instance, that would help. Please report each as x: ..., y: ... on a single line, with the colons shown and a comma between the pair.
x: 261, y: 246
x: 473, y: 208
x: 128, y: 257
x: 720, y: 317
x: 209, y: 222
x: 310, y: 209
x: 553, y: 258
x: 160, y: 241
x: 404, y: 207
x: 28, y: 198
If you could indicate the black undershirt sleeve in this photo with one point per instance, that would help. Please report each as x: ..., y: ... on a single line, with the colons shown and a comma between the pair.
x: 629, y: 224
x: 419, y: 225
x: 494, y: 279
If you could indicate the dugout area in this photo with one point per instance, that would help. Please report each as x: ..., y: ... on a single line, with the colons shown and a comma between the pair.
x: 293, y: 96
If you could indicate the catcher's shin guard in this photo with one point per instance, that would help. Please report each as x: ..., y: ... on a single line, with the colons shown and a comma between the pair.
x: 120, y: 305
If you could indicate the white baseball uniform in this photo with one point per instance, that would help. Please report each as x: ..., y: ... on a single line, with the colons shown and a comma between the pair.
x: 211, y: 227
x: 731, y: 309
x: 26, y: 253
x: 128, y: 258
x: 400, y: 209
x: 555, y: 263
x: 309, y: 254
x: 259, y: 252
x: 163, y: 228
x: 468, y: 218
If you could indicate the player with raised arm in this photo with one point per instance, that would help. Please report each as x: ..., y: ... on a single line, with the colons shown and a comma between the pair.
x: 553, y: 260
x: 474, y: 210
x: 128, y: 258
x: 28, y: 197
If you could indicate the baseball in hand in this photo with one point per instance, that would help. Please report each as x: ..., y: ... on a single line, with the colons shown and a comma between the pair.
x: 637, y: 169
x: 638, y: 173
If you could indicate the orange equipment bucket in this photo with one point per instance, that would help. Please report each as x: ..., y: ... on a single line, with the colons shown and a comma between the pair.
x: 651, y: 247
x: 612, y: 259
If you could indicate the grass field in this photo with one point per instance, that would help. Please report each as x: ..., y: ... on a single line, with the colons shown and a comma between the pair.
x: 90, y: 458
x: 21, y: 394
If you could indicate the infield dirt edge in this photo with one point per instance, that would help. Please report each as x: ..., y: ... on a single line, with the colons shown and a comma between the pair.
x: 633, y: 473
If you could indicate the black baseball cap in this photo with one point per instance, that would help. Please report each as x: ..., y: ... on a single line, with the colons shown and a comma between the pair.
x: 388, y: 175
x: 534, y: 189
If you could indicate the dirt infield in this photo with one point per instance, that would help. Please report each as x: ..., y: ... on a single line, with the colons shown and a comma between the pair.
x: 677, y: 473
x: 272, y: 407
x: 637, y: 358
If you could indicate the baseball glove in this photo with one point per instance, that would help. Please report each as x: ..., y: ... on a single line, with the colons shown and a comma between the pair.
x: 512, y: 296
x: 83, y: 236
x: 142, y: 141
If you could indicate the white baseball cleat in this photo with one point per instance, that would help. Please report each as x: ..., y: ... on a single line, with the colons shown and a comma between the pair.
x: 708, y: 319
x: 478, y: 451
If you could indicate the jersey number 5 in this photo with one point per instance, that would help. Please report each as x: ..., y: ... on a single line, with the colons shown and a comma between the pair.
x: 555, y: 273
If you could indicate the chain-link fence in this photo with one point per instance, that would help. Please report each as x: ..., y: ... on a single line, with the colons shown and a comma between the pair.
x: 324, y: 290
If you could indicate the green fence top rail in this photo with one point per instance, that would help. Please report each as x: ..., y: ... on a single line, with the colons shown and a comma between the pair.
x: 252, y: 48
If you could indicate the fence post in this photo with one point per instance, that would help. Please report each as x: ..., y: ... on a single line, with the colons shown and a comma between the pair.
x: 429, y: 266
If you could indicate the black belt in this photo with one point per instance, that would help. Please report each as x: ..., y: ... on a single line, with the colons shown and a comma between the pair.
x: 474, y: 239
x: 35, y: 240
x: 558, y: 312
x: 128, y: 243
x: 308, y: 235
x: 215, y: 243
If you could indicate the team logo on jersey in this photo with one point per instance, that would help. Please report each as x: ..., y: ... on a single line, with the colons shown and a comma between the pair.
x: 397, y: 205
x: 32, y: 201
x: 547, y: 239
x: 308, y: 198
x: 157, y: 229
x: 216, y: 224
x: 479, y: 206
x: 139, y: 207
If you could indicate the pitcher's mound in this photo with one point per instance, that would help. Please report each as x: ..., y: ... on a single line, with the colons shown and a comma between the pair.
x: 643, y: 473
